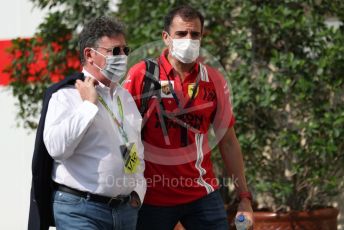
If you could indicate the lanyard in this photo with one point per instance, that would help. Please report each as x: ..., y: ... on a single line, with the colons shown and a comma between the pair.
x: 119, y: 124
x: 194, y: 90
x: 184, y: 125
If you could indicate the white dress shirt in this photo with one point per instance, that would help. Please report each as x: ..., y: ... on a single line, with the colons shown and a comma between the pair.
x: 84, y: 142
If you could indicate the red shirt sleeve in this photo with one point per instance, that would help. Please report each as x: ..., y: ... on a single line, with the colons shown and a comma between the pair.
x: 223, y: 118
x: 134, y: 80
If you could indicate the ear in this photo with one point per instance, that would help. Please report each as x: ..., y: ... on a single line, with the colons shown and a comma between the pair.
x: 165, y: 38
x: 88, y: 55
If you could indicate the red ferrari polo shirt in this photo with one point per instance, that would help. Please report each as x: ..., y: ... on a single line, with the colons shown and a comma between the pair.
x: 178, y: 165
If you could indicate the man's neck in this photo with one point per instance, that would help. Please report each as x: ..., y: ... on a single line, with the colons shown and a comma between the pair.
x: 179, y: 67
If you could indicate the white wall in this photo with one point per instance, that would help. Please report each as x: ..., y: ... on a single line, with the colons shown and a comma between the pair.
x: 15, y: 172
x: 17, y: 18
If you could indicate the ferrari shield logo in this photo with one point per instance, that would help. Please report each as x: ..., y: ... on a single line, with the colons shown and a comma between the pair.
x: 191, y: 89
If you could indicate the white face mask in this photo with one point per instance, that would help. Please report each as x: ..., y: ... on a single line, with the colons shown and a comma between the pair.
x: 115, y: 67
x: 185, y: 50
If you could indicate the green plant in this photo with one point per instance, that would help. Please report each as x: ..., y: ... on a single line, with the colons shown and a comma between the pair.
x: 288, y: 90
x: 286, y: 69
x: 285, y: 66
x: 50, y: 54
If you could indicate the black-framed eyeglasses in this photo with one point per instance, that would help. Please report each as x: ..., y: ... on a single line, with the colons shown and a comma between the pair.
x: 117, y: 50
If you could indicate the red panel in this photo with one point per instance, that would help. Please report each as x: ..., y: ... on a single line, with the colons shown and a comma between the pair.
x: 5, y: 61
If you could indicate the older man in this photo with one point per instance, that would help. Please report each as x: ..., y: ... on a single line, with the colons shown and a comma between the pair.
x: 92, y: 133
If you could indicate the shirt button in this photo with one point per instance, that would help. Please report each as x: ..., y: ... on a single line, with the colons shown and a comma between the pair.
x: 169, y: 101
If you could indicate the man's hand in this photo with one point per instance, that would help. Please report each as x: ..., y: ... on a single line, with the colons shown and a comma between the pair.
x: 245, y: 208
x: 87, y: 89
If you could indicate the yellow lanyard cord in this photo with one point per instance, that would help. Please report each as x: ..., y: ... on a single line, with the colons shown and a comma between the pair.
x: 119, y: 124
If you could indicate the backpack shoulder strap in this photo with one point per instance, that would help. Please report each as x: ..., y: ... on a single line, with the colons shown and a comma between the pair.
x: 151, y: 85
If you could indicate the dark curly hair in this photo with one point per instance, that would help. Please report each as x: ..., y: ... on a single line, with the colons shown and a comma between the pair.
x: 186, y: 12
x: 96, y: 29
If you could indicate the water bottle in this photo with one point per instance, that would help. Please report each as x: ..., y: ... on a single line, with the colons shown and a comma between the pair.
x: 242, y: 223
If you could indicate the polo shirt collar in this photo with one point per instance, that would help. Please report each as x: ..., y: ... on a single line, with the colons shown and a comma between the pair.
x: 165, y: 63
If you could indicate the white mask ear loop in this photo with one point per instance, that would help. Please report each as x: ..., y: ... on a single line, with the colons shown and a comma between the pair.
x: 98, y: 52
x: 100, y: 55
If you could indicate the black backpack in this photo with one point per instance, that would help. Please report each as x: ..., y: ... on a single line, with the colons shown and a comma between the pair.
x: 151, y: 85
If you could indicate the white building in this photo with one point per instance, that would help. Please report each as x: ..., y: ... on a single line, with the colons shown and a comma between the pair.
x: 17, y: 19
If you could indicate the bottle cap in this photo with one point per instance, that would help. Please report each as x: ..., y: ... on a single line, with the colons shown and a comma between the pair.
x: 241, y: 218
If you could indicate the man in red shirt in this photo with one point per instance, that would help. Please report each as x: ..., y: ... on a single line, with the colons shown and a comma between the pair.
x: 193, y: 101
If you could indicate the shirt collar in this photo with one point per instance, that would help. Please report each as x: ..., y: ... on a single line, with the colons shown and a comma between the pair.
x: 112, y: 87
x: 165, y: 63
